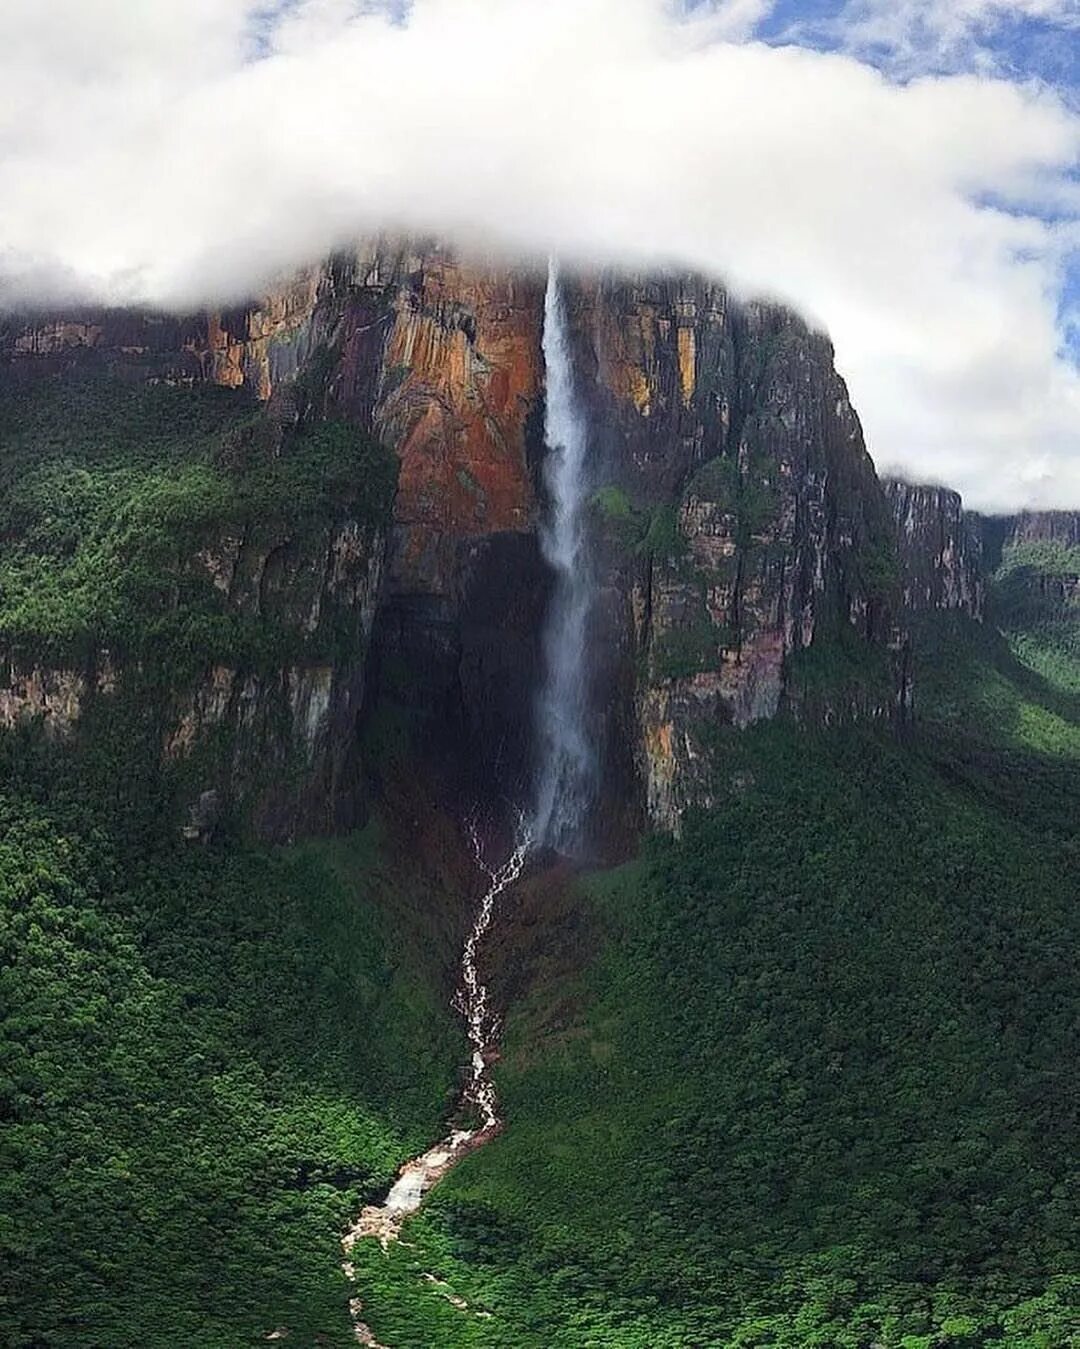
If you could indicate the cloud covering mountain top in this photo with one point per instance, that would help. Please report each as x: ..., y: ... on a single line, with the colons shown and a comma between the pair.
x: 182, y: 154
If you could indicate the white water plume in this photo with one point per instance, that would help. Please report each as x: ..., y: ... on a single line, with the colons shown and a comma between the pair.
x: 567, y: 762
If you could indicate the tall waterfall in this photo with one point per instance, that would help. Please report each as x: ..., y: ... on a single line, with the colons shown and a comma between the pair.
x: 564, y: 788
x: 567, y: 763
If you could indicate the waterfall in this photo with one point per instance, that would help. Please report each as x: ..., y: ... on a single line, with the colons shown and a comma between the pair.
x: 567, y: 768
x: 564, y: 788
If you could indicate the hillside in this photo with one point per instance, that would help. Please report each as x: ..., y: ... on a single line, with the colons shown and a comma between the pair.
x: 786, y: 1046
x: 802, y: 1076
x: 213, y: 1051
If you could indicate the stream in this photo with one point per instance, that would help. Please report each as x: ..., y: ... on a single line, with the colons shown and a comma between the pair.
x: 417, y: 1176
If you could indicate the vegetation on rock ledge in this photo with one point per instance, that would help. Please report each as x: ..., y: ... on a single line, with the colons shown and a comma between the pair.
x: 109, y: 491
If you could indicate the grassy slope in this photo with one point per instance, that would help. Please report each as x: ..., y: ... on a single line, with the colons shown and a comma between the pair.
x: 209, y: 1057
x: 816, y: 1088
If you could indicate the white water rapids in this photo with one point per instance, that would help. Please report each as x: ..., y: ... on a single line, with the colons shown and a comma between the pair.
x: 565, y: 783
x: 473, y: 998
x: 383, y: 1221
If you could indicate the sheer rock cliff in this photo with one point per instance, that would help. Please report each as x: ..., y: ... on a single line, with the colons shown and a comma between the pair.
x: 941, y: 551
x: 745, y: 550
x: 743, y: 518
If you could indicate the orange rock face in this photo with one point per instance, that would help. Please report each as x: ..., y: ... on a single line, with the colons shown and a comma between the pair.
x: 279, y: 320
x: 455, y: 368
x: 461, y: 373
x: 446, y: 351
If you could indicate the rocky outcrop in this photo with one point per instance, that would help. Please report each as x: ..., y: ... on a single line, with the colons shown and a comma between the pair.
x: 941, y: 551
x: 278, y: 741
x: 33, y: 692
x: 458, y: 375
x: 741, y: 517
x: 442, y: 360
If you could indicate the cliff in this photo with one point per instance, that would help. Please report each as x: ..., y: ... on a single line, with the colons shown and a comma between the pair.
x: 743, y: 548
x: 280, y: 740
x: 742, y: 523
x: 1037, y: 580
x: 441, y: 362
x: 277, y: 743
x: 183, y: 573
x: 256, y: 346
x: 941, y: 550
x: 1061, y: 528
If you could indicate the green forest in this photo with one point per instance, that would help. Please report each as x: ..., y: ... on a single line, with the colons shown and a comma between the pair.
x: 210, y: 1057
x: 107, y: 488
x: 804, y: 1076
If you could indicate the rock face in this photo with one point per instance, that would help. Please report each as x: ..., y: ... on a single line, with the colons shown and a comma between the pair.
x: 439, y: 360
x: 1040, y: 563
x: 277, y: 744
x: 941, y: 551
x: 30, y: 692
x: 738, y: 520
x: 456, y: 378
x: 741, y: 521
x: 280, y: 742
x: 1056, y: 527
x: 254, y: 346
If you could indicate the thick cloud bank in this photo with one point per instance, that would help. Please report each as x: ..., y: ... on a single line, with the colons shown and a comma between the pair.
x: 180, y: 153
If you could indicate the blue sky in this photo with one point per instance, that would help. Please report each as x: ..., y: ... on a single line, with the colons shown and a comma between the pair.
x: 1020, y: 45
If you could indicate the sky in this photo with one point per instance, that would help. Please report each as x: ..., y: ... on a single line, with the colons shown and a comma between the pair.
x: 905, y: 173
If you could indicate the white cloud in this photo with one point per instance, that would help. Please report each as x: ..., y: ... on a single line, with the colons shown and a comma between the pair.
x: 147, y: 158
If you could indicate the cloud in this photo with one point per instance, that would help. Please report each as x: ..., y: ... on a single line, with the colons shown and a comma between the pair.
x: 147, y: 156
